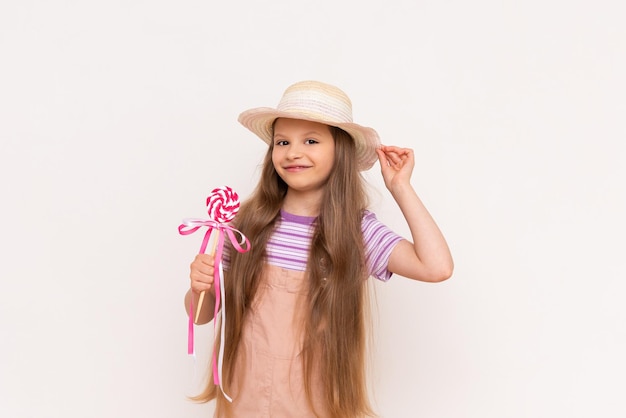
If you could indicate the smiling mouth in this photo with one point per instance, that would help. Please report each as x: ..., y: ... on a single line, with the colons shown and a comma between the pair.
x: 296, y: 167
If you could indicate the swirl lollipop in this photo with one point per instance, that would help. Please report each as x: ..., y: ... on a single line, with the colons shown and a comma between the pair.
x: 222, y: 205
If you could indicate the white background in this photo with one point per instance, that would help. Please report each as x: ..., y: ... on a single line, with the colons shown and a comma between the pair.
x: 118, y: 117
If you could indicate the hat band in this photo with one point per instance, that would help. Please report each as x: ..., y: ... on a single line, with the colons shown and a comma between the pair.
x: 316, y: 105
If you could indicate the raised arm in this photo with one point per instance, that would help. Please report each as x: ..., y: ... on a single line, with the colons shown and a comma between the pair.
x: 428, y: 257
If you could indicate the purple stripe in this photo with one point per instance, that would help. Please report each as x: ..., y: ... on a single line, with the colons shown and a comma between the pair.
x: 279, y: 245
x: 289, y: 246
x: 293, y: 260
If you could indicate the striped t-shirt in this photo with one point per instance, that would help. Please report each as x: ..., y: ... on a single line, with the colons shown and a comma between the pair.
x: 289, y: 246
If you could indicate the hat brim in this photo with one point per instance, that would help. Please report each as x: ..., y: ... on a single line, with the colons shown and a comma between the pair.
x: 260, y: 120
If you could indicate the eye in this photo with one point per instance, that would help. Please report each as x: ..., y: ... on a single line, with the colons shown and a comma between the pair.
x: 310, y: 141
x: 281, y: 142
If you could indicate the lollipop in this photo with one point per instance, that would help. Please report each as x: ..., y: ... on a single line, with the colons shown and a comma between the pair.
x: 222, y: 205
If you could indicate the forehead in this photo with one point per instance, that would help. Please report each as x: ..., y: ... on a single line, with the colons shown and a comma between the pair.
x: 284, y: 124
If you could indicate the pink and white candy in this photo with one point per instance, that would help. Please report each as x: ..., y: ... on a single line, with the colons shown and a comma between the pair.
x: 222, y: 204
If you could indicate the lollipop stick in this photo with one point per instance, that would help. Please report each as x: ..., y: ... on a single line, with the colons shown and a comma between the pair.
x: 201, y: 298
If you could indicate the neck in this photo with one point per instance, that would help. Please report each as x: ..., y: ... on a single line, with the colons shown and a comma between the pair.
x: 302, y: 203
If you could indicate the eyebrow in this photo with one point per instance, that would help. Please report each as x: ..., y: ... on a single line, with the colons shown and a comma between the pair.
x: 306, y: 134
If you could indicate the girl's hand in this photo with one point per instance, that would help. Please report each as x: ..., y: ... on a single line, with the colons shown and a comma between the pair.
x: 202, y: 273
x: 396, y: 165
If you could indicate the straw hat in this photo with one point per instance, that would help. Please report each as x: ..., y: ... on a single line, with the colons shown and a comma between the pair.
x: 317, y: 102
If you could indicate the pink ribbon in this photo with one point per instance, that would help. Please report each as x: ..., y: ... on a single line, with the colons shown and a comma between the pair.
x: 189, y: 226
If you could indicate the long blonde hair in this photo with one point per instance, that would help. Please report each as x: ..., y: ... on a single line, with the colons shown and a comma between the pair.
x: 334, y: 330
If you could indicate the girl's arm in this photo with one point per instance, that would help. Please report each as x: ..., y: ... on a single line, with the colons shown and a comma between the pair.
x: 428, y: 258
x: 201, y: 276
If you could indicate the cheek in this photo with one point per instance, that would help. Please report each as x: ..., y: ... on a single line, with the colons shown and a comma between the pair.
x: 330, y: 155
x: 275, y: 160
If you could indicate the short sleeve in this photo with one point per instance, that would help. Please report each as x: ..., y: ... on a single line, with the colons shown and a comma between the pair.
x: 379, y: 242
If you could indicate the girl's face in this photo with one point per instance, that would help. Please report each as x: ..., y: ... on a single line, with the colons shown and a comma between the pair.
x: 303, y: 153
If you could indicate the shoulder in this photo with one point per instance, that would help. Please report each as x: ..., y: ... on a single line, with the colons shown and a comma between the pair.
x: 379, y: 241
x: 370, y: 223
x: 368, y: 217
x: 372, y: 228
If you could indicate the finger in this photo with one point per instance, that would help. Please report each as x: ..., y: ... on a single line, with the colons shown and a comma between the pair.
x: 201, y: 282
x: 397, y: 150
x: 408, y: 156
x: 201, y: 275
x: 392, y: 148
x: 199, y: 287
x: 395, y: 160
x: 205, y: 259
x: 382, y: 158
x: 203, y: 268
x: 398, y: 155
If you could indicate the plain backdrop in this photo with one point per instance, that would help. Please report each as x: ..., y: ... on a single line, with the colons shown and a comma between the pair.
x: 118, y: 117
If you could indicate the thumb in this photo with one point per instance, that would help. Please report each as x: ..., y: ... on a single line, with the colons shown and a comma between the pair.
x: 382, y: 158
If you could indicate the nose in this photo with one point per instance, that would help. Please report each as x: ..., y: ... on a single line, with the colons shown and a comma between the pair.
x: 294, y: 152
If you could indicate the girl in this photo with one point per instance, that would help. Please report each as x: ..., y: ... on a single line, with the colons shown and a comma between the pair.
x: 295, y: 337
